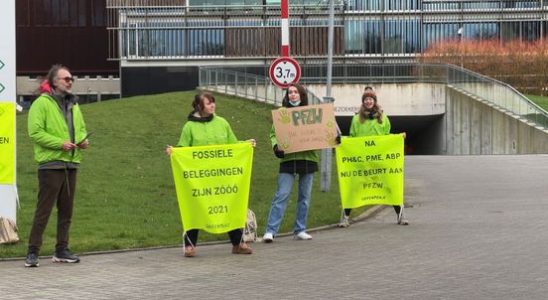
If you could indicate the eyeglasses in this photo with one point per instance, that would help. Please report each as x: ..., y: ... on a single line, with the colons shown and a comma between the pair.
x: 67, y: 79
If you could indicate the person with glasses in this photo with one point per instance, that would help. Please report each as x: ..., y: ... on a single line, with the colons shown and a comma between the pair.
x: 57, y: 129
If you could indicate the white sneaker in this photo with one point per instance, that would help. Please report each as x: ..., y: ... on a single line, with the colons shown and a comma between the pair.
x: 402, y: 220
x: 344, y: 222
x: 303, y: 236
x: 268, y: 237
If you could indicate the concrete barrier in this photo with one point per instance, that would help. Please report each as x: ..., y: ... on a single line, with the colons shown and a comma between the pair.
x: 474, y: 126
x: 396, y: 99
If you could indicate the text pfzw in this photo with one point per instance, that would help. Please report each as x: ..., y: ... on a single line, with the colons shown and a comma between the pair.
x: 307, y: 116
x: 372, y: 185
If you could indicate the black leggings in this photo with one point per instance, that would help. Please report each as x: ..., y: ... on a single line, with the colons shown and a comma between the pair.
x: 191, y: 237
x: 347, y: 211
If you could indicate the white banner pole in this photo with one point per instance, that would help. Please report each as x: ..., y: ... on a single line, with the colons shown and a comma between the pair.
x: 8, y: 192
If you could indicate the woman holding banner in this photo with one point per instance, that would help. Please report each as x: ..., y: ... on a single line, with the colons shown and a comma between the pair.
x: 203, y: 128
x: 304, y: 164
x: 370, y: 120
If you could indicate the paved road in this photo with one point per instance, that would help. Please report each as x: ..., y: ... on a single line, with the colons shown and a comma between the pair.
x: 478, y: 231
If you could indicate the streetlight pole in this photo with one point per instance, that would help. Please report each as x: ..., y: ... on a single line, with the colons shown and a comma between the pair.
x: 326, y: 155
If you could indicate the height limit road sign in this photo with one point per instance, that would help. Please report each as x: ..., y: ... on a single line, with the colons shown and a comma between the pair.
x: 284, y: 71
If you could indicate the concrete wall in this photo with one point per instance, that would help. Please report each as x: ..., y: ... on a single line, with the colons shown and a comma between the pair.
x: 455, y: 123
x: 83, y: 85
x: 409, y: 99
x: 476, y: 127
x: 396, y: 99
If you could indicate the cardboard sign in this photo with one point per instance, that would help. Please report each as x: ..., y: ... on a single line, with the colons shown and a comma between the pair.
x: 303, y: 128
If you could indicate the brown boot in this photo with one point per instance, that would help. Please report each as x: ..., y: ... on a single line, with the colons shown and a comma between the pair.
x: 242, y: 248
x: 190, y: 251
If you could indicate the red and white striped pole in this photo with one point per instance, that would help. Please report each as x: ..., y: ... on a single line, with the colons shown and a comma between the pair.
x: 285, y: 27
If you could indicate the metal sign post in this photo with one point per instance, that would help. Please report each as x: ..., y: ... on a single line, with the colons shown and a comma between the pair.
x: 326, y: 156
x: 8, y: 187
x: 284, y: 5
x: 284, y: 70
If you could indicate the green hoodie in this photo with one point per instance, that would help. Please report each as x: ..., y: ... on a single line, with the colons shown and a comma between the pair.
x: 48, y: 129
x: 310, y: 155
x: 212, y: 130
x: 369, y: 126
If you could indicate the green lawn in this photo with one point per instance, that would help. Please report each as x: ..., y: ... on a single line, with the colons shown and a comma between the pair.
x: 126, y: 196
x: 541, y: 101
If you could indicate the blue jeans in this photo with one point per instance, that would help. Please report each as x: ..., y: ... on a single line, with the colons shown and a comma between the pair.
x: 279, y: 202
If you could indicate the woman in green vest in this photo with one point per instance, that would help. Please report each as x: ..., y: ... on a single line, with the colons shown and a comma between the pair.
x: 370, y: 120
x: 301, y: 165
x: 203, y: 128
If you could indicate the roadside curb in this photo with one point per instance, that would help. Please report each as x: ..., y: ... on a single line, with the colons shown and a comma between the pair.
x: 365, y: 215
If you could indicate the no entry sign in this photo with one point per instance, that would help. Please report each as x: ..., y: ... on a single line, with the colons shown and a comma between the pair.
x: 284, y: 71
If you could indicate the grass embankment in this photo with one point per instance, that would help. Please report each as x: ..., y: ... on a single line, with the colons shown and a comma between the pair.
x: 126, y: 195
x: 539, y: 100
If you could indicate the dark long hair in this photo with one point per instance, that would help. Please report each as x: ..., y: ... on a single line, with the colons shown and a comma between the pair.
x: 302, y: 93
x: 198, y: 103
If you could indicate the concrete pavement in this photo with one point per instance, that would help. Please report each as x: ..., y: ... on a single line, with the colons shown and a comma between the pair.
x: 478, y: 231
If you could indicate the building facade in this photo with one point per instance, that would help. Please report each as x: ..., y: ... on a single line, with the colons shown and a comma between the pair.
x: 160, y: 43
x: 70, y: 32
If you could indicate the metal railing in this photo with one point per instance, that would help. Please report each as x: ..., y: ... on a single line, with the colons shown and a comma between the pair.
x: 245, y: 85
x: 499, y: 94
x: 361, y: 72
x: 159, y: 30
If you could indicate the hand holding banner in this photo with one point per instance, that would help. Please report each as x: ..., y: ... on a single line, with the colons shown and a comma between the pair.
x: 212, y: 184
x: 370, y: 170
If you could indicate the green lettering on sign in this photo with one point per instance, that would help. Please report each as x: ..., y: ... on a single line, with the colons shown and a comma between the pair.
x: 7, y: 147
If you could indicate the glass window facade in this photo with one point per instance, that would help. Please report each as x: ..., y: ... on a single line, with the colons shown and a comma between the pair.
x: 488, y: 5
x: 401, y: 35
x: 383, y: 5
x: 362, y: 27
x: 363, y: 36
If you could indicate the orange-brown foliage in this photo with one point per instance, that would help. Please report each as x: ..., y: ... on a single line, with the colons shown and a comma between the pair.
x: 523, y: 65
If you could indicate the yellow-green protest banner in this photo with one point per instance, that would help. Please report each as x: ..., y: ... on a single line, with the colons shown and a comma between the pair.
x: 370, y: 170
x: 212, y: 184
x: 7, y: 143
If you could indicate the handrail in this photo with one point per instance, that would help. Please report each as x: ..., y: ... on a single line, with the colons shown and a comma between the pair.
x: 497, y: 93
x: 245, y: 85
x: 494, y: 92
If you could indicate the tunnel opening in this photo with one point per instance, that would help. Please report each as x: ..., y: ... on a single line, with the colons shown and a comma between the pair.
x: 425, y: 134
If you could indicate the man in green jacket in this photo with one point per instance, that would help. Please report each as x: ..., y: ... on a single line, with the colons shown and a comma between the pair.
x: 57, y: 129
